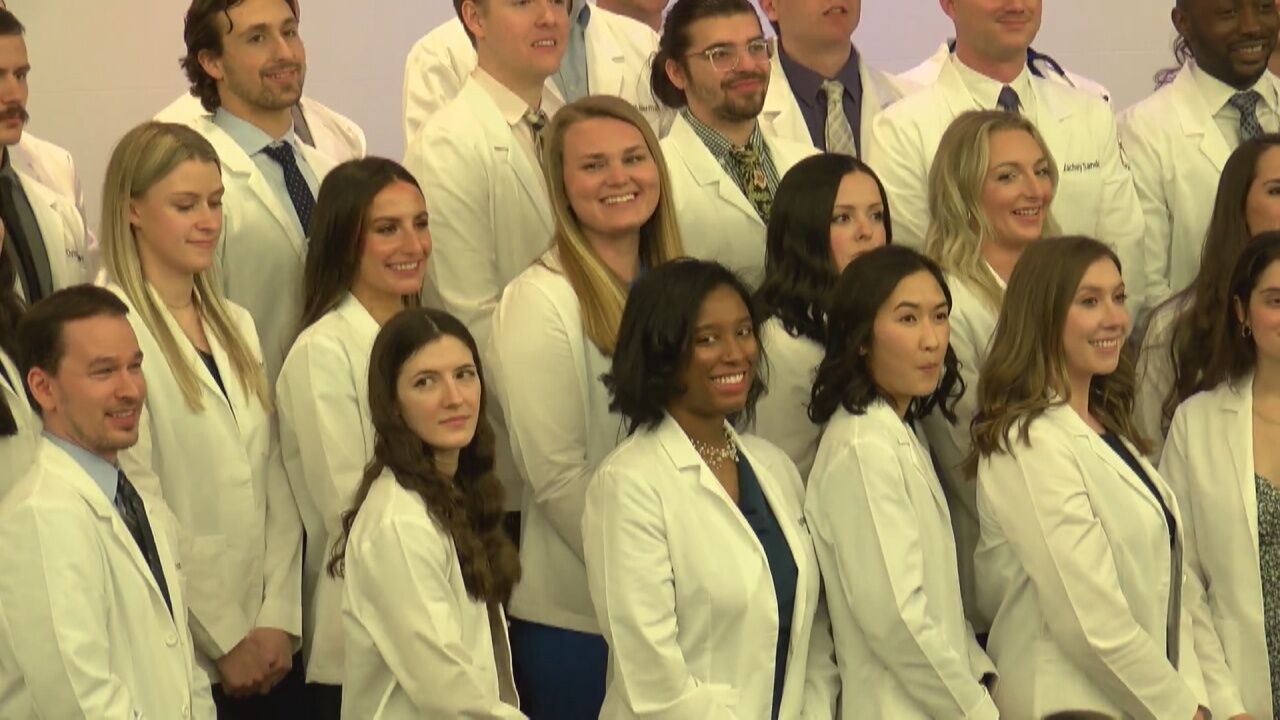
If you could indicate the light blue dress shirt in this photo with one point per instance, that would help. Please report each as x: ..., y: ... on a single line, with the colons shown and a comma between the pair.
x: 572, y: 78
x: 253, y: 140
x: 104, y: 474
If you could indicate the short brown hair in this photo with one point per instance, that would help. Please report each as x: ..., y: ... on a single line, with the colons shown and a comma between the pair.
x: 40, y: 330
x: 202, y: 32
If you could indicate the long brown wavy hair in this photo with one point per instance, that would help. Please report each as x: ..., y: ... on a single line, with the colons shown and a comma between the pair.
x: 1026, y: 371
x: 469, y: 506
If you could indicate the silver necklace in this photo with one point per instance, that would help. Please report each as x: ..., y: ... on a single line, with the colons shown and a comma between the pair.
x: 712, y: 455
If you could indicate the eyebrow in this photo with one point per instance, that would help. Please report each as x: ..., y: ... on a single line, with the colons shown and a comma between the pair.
x: 916, y: 306
x: 592, y: 156
x: 876, y: 204
x: 1098, y: 289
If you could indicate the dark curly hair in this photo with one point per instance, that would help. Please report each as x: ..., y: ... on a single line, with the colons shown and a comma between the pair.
x: 673, y: 42
x: 655, y: 339
x: 470, y: 505
x: 202, y: 32
x: 798, y: 270
x: 844, y: 378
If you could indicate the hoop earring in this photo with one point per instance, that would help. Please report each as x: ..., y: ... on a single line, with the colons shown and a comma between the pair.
x: 1246, y: 332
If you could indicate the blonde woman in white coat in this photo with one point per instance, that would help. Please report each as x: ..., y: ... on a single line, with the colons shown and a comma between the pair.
x: 829, y: 209
x: 989, y: 192
x: 875, y: 507
x: 19, y: 424
x: 702, y: 573
x: 554, y: 331
x: 366, y: 262
x: 1080, y: 560
x: 426, y: 561
x: 1222, y: 461
x: 242, y: 540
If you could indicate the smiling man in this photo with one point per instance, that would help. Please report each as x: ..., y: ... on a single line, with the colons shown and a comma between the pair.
x: 1179, y: 139
x: 714, y: 64
x: 819, y: 78
x: 987, y: 71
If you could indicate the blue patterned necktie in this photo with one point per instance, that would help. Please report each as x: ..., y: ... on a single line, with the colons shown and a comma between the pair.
x: 299, y: 191
x: 1247, y: 104
x: 134, y: 513
x: 1008, y: 100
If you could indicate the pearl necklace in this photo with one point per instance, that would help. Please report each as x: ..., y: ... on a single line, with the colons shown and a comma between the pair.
x: 713, y: 456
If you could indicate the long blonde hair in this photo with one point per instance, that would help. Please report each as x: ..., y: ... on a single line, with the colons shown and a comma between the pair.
x: 600, y: 292
x: 957, y: 224
x: 1026, y: 371
x: 143, y: 157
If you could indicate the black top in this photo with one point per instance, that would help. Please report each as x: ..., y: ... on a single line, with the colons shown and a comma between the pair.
x: 210, y: 363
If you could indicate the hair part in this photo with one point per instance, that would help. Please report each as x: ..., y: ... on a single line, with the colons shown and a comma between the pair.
x: 338, y: 225
x: 202, y: 32
x: 799, y: 270
x: 655, y: 340
x: 844, y: 377
x: 958, y: 224
x: 601, y: 293
x: 674, y: 42
x: 1025, y: 372
x: 468, y: 506
x: 145, y: 156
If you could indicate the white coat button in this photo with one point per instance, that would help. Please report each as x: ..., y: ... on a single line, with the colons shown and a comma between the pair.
x: 186, y: 710
x: 171, y: 640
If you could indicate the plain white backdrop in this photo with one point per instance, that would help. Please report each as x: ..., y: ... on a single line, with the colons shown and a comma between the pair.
x: 99, y: 68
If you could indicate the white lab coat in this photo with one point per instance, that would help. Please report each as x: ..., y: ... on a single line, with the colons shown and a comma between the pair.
x: 53, y: 167
x: 683, y: 592
x: 336, y: 136
x: 219, y: 471
x: 1154, y: 373
x: 261, y: 254
x: 71, y: 259
x: 1208, y: 462
x: 17, y: 452
x: 1095, y: 195
x: 417, y: 645
x: 782, y: 413
x: 87, y: 622
x: 926, y: 74
x: 973, y: 324
x: 326, y: 438
x: 781, y: 116
x: 546, y: 373
x: 619, y: 51
x: 1176, y: 153
x: 883, y: 537
x: 1074, y: 568
x: 717, y: 221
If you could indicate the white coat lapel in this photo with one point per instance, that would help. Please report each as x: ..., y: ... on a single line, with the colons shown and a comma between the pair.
x: 1237, y: 422
x: 706, y: 171
x: 606, y: 68
x: 1117, y: 464
x: 506, y: 150
x: 67, y: 262
x: 1196, y: 118
x: 779, y: 100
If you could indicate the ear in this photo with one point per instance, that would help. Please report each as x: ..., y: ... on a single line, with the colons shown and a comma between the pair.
x: 771, y: 10
x: 211, y: 64
x: 675, y: 73
x: 1241, y: 316
x: 135, y: 218
x: 948, y: 7
x: 40, y: 384
x: 472, y: 18
x: 1181, y: 23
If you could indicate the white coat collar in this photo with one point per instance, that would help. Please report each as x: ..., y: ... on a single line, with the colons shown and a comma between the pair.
x: 688, y: 148
x: 1195, y: 117
x: 1066, y: 418
x: 500, y: 139
x: 1235, y: 403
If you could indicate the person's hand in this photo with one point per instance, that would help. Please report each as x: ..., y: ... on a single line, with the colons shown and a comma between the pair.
x: 275, y: 647
x: 1203, y: 714
x: 243, y: 670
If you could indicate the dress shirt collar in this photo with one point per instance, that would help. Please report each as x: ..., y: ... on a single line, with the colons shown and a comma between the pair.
x: 510, y: 106
x: 1216, y: 93
x: 985, y: 90
x: 718, y: 144
x: 104, y: 474
x: 580, y: 13
x: 806, y: 84
x: 250, y: 137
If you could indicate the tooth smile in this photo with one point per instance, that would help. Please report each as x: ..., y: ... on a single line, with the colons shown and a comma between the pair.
x: 730, y: 379
x: 1106, y: 344
x: 405, y: 266
x: 619, y: 199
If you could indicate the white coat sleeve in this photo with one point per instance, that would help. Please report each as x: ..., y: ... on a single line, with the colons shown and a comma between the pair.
x: 545, y: 402
x: 282, y: 556
x: 53, y: 600
x: 397, y: 589
x: 896, y: 153
x: 1038, y: 496
x: 430, y: 82
x: 1223, y: 688
x: 632, y: 586
x: 1120, y: 218
x: 464, y: 267
x: 216, y: 625
x: 861, y: 508
x: 318, y: 403
x: 1146, y: 164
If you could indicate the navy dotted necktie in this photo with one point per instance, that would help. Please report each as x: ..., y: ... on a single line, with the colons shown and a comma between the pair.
x: 1247, y: 104
x: 299, y: 192
x: 134, y: 513
x: 1008, y: 100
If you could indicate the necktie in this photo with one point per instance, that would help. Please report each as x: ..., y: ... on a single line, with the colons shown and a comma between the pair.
x: 1008, y: 100
x: 537, y: 122
x: 1247, y: 104
x: 19, y: 244
x: 134, y: 513
x: 755, y: 184
x: 299, y: 192
x: 839, y: 135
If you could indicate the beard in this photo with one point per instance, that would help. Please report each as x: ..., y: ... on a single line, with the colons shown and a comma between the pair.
x: 738, y: 107
x: 259, y: 93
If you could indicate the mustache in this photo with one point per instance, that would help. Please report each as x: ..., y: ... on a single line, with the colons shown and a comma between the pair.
x: 296, y: 67
x: 740, y: 76
x: 15, y: 111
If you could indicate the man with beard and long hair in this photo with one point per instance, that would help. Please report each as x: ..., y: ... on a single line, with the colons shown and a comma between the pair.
x: 47, y: 240
x: 713, y: 63
x: 246, y: 62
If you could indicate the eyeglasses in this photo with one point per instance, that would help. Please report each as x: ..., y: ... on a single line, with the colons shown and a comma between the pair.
x: 726, y: 58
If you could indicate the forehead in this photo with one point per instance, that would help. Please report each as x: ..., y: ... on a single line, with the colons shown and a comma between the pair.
x: 101, y: 336
x: 399, y: 196
x: 722, y: 305
x: 13, y: 51
x: 1270, y: 278
x: 442, y: 355
x: 1101, y: 273
x: 920, y: 287
x: 252, y: 13
x: 192, y: 176
x: 594, y: 135
x: 1008, y: 142
x: 724, y: 29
